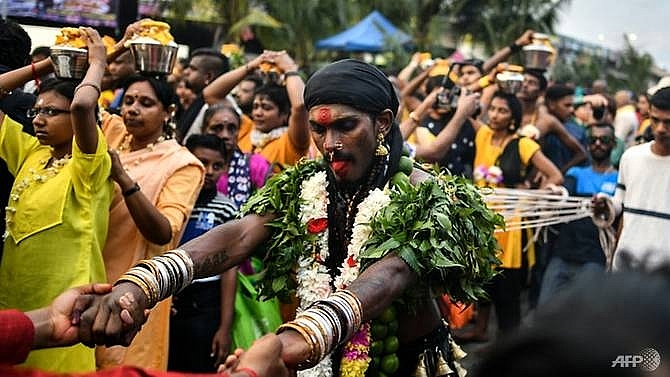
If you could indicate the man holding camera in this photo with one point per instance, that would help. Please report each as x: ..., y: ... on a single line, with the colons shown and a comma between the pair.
x: 438, y: 121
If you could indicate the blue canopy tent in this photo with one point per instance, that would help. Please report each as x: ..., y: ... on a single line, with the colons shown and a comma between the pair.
x: 371, y: 34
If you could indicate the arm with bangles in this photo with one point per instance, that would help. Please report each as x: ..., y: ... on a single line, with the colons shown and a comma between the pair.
x: 375, y: 288
x: 217, y: 250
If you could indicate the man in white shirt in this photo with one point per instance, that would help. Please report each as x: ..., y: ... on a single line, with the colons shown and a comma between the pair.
x: 642, y: 195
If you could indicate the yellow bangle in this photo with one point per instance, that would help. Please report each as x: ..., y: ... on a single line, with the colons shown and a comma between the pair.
x: 484, y: 82
x: 414, y: 118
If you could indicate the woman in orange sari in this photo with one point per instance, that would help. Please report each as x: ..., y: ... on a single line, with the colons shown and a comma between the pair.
x: 158, y: 181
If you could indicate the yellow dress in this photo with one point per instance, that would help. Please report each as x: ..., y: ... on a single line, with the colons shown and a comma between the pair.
x: 56, y: 233
x: 486, y: 156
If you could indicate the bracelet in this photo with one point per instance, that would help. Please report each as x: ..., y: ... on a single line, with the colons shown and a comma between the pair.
x: 131, y: 190
x: 91, y: 84
x: 36, y: 77
x: 291, y: 73
x: 484, y: 82
x: 514, y: 47
x: 249, y: 371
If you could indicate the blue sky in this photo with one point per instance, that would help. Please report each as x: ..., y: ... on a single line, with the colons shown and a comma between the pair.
x: 605, y: 22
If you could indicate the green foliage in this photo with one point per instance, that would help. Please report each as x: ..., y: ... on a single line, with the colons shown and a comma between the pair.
x: 632, y: 70
x: 497, y: 23
x: 443, y: 230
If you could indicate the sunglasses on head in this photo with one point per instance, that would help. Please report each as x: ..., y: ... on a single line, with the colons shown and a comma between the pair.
x: 603, y: 139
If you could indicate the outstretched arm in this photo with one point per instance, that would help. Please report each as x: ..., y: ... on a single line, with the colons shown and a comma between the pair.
x: 214, y: 252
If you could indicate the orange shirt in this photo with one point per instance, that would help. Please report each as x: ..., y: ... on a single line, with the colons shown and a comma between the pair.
x: 280, y: 150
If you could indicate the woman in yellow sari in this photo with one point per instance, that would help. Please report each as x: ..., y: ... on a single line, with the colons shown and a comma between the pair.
x: 502, y: 159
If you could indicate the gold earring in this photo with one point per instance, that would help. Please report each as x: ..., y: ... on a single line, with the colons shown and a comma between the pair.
x: 512, y: 126
x: 381, y: 148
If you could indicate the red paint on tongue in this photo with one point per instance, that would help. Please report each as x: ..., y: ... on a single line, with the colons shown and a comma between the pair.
x: 340, y: 168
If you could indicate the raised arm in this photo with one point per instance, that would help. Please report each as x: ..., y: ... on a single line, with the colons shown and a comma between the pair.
x: 407, y: 93
x: 218, y: 89
x: 435, y: 151
x: 501, y: 55
x: 578, y: 152
x: 298, y: 124
x: 83, y: 106
x: 409, y: 125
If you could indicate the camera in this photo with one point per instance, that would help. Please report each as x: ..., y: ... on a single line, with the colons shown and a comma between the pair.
x: 598, y: 112
x: 448, y: 98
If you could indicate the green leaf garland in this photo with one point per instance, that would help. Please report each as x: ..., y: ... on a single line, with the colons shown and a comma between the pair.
x: 441, y: 228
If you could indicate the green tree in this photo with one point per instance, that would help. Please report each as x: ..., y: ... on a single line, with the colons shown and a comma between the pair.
x: 496, y: 23
x: 632, y: 71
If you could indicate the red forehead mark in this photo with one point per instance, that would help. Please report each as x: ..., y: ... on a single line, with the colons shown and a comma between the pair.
x: 324, y: 117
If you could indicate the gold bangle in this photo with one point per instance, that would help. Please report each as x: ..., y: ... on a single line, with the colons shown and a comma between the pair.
x: 309, y: 339
x: 414, y: 117
x: 484, y: 82
x: 138, y: 282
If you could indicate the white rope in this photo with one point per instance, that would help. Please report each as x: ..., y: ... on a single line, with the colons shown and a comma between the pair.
x: 524, y: 208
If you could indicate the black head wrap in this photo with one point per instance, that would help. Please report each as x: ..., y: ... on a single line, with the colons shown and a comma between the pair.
x: 364, y: 87
x: 353, y: 83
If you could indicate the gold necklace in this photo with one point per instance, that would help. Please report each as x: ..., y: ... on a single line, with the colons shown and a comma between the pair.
x: 125, y: 147
x: 35, y: 177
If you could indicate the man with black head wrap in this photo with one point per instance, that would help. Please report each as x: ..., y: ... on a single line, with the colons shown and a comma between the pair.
x: 362, y: 237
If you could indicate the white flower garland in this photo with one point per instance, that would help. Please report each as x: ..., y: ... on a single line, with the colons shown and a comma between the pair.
x: 313, y: 278
x: 260, y: 139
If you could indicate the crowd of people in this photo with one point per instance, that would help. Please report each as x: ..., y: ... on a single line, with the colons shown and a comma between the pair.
x: 360, y: 191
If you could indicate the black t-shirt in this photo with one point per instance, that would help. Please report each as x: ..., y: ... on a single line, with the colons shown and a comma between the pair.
x: 460, y: 158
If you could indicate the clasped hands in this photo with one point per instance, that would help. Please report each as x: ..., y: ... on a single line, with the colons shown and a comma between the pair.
x: 97, y: 314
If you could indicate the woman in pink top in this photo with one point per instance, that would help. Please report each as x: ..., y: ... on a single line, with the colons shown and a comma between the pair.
x: 247, y: 172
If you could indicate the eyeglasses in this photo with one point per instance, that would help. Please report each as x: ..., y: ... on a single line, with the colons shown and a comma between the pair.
x: 603, y: 139
x: 45, y: 111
